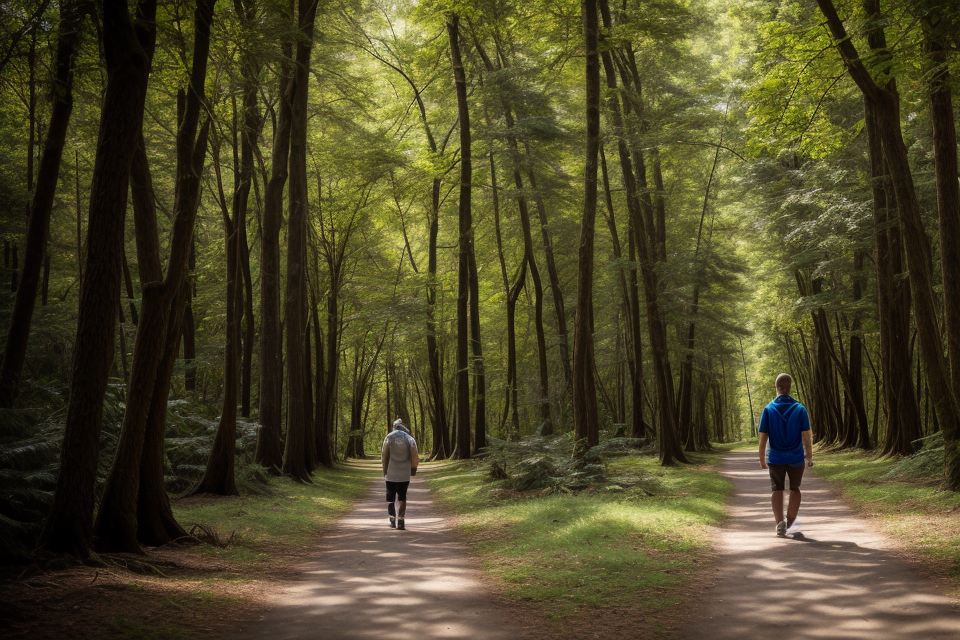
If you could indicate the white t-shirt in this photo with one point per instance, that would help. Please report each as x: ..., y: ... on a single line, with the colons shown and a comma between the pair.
x: 399, y: 448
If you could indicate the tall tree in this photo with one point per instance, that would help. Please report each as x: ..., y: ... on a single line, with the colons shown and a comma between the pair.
x: 585, y: 419
x: 465, y: 244
x: 299, y: 455
x: 38, y: 222
x: 125, y: 46
x: 269, y: 453
x: 116, y: 524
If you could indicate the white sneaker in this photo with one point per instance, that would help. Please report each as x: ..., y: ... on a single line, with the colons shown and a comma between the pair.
x: 794, y: 528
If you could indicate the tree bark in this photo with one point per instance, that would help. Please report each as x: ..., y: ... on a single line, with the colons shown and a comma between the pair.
x: 38, y: 223
x: 512, y: 293
x: 116, y: 524
x: 948, y: 189
x: 68, y: 528
x: 465, y: 243
x: 268, y: 452
x: 297, y: 460
x: 585, y: 419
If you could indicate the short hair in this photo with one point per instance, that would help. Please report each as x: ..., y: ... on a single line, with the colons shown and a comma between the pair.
x: 784, y: 381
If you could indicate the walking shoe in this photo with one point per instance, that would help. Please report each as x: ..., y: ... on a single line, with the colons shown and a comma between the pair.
x: 400, y: 526
x: 782, y: 529
x: 794, y: 528
x: 393, y: 522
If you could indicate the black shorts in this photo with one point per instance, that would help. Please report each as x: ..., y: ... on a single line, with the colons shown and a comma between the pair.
x: 779, y: 472
x: 397, y: 491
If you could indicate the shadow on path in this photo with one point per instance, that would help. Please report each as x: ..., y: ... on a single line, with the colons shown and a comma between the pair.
x: 838, y: 580
x: 370, y: 581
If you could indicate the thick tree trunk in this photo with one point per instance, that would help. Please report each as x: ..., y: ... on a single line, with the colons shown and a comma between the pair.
x: 465, y: 242
x: 68, y: 528
x: 585, y: 419
x: 299, y: 446
x: 116, y: 524
x: 38, y: 223
x: 268, y: 452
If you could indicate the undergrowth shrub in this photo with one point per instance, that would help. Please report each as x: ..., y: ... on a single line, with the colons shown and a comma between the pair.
x: 548, y: 463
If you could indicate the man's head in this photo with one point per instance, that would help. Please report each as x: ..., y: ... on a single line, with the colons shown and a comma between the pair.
x: 398, y: 424
x: 784, y: 382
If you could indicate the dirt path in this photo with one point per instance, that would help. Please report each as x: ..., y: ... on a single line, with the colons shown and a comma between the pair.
x: 838, y: 581
x: 370, y: 581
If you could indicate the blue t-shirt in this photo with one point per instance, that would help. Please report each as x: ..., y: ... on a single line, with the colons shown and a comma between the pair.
x: 784, y: 420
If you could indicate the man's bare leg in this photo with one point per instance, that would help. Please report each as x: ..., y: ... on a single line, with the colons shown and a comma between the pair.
x: 777, y: 500
x: 793, y: 507
x: 402, y: 508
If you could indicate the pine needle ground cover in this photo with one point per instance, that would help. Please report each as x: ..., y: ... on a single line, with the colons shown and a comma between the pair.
x: 614, y: 558
x: 903, y: 496
x: 252, y: 544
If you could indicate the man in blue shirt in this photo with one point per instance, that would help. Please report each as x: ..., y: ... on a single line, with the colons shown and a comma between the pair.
x: 786, y: 447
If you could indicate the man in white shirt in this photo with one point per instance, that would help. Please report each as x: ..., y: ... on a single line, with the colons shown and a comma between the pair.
x: 399, y: 458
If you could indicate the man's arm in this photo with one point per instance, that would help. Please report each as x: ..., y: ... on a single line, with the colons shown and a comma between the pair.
x: 763, y: 449
x: 414, y: 456
x: 808, y: 447
x: 385, y: 456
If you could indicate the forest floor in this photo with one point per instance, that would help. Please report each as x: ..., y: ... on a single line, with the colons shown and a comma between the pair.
x: 620, y: 559
x: 179, y: 592
x: 841, y: 578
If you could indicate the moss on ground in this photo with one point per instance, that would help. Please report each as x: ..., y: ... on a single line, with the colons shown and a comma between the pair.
x: 635, y: 540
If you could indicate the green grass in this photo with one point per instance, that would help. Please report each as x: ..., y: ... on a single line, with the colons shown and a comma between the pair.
x: 909, y: 506
x: 289, y: 515
x: 124, y: 627
x: 611, y: 546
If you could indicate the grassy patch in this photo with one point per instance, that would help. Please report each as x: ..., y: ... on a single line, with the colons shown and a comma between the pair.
x: 286, y: 517
x: 127, y: 628
x: 911, y: 507
x: 634, y: 541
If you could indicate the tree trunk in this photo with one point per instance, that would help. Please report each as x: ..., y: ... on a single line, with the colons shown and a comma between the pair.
x: 628, y: 291
x: 948, y: 189
x: 268, y: 452
x: 512, y: 293
x: 465, y: 242
x: 68, y: 527
x: 297, y: 457
x: 116, y: 524
x: 252, y: 126
x: 218, y: 477
x: 669, y: 446
x: 585, y: 420
x: 38, y: 223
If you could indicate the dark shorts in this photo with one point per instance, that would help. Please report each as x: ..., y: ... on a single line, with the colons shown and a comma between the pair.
x: 397, y: 491
x: 779, y: 472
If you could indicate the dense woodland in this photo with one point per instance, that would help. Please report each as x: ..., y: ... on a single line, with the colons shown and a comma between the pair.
x: 241, y: 237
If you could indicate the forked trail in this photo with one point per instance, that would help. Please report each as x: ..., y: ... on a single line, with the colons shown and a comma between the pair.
x: 371, y: 582
x: 838, y: 581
